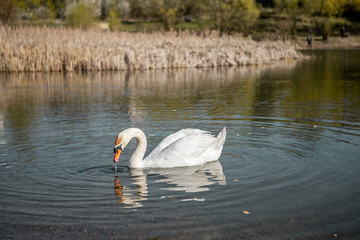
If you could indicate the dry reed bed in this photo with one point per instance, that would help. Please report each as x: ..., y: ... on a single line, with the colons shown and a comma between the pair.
x: 60, y: 49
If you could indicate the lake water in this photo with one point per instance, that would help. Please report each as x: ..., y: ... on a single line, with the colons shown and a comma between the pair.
x: 290, y: 167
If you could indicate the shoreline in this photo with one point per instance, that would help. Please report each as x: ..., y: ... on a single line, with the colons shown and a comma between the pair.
x: 333, y: 43
x: 74, y: 50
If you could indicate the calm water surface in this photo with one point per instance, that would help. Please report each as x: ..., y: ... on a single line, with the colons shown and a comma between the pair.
x: 289, y: 169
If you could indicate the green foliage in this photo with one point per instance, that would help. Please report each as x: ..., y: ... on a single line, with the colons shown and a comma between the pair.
x: 151, y: 11
x: 82, y: 16
x: 193, y: 8
x: 332, y: 7
x: 323, y: 11
x: 51, y: 8
x: 355, y: 4
x: 233, y: 16
x: 38, y: 9
x: 281, y: 4
x: 168, y: 12
x: 114, y: 17
x: 322, y: 25
x: 59, y: 7
x: 169, y: 17
x: 293, y: 10
x: 136, y: 9
x: 114, y: 21
x: 226, y: 16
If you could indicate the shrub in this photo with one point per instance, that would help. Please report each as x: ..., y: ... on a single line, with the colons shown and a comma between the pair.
x: 114, y: 20
x: 114, y: 16
x: 233, y: 16
x: 169, y: 18
x: 81, y: 16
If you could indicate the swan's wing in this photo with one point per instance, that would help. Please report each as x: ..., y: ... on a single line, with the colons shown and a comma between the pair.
x: 183, y: 150
x: 173, y: 138
x: 189, y: 146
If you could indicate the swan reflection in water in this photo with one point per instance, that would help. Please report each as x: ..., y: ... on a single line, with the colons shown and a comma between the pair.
x: 133, y: 191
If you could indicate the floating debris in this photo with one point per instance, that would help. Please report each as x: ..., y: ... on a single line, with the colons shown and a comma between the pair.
x: 194, y: 199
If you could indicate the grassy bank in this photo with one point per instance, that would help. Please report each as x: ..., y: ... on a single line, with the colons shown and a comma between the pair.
x: 351, y: 42
x: 60, y: 49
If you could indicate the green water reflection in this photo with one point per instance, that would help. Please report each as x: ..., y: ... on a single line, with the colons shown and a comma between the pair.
x: 324, y: 87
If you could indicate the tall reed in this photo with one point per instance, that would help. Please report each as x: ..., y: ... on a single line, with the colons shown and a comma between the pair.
x: 61, y: 49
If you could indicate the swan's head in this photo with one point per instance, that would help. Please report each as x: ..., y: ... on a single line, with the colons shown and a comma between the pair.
x: 119, y: 146
x: 121, y: 141
x: 125, y: 137
x: 117, y: 150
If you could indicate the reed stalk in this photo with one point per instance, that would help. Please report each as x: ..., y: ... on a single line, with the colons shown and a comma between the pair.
x: 37, y: 49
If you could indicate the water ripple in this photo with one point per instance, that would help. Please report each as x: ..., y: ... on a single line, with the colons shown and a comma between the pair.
x: 289, y: 167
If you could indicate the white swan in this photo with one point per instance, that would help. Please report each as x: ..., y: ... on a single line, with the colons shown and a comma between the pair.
x: 187, y: 147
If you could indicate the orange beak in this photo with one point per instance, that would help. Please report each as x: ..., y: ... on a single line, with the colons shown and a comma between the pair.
x: 117, y: 155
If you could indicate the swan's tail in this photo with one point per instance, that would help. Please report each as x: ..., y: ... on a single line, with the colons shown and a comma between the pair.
x: 221, y: 138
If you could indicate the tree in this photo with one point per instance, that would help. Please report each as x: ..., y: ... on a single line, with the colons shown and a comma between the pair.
x: 104, y: 11
x: 323, y: 11
x: 35, y: 9
x: 136, y: 9
x: 281, y: 4
x: 293, y: 9
x: 82, y: 15
x: 233, y: 15
x: 193, y: 8
x: 114, y: 16
x: 171, y: 13
x: 356, y: 5
x: 352, y: 10
x: 59, y: 6
x: 167, y: 12
x: 152, y: 10
x: 7, y: 11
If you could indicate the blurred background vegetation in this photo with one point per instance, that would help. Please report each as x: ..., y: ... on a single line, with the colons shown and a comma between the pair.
x: 262, y: 19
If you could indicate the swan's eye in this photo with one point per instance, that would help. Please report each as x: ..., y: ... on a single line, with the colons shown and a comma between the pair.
x: 118, y: 147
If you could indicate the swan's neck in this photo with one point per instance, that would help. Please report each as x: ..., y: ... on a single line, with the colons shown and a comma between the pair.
x: 136, y: 160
